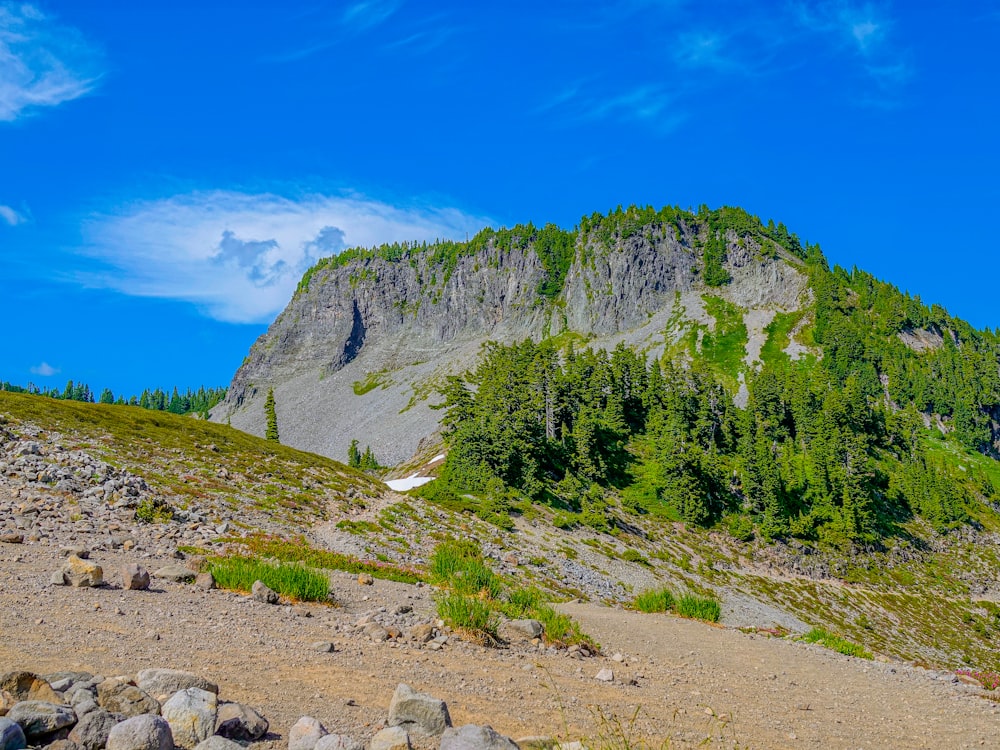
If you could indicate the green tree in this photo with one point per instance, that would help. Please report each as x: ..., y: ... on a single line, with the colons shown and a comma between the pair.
x: 271, y: 432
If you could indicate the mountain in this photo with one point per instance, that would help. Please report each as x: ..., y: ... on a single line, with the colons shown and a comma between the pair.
x: 371, y: 334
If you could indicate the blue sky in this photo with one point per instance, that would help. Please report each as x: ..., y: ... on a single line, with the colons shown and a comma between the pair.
x: 168, y: 170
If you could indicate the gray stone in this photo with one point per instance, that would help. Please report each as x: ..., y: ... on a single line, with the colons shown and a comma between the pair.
x: 11, y: 538
x: 205, y: 580
x: 28, y: 686
x: 391, y: 738
x: 338, y: 742
x: 324, y: 647
x: 63, y: 744
x: 11, y: 735
x: 236, y: 721
x: 163, y: 683
x: 191, y: 715
x: 421, y: 633
x: 121, y: 698
x: 305, y: 733
x: 38, y: 718
x: 56, y: 579
x: 134, y: 577
x: 82, y: 573
x: 215, y: 742
x: 605, y: 675
x: 261, y: 593
x: 522, y: 629
x: 79, y: 550
x: 92, y: 730
x: 176, y: 573
x: 146, y: 732
x: 418, y: 712
x: 473, y: 737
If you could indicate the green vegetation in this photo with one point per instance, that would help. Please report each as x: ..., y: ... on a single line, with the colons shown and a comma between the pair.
x: 198, y: 402
x: 296, y: 582
x: 271, y: 432
x: 298, y: 550
x: 372, y: 381
x: 474, y: 598
x: 836, y: 643
x: 655, y: 600
x: 364, y: 461
x: 154, y: 510
x: 724, y: 348
x: 699, y: 608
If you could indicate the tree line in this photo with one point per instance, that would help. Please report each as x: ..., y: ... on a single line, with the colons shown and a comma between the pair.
x: 190, y: 401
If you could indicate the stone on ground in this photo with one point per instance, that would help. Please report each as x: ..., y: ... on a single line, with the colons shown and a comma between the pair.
x: 163, y: 683
x: 176, y: 573
x: 215, y: 742
x: 11, y: 735
x: 305, y: 733
x: 241, y: 723
x: 82, y: 573
x: 338, y: 742
x: 146, y: 732
x: 39, y: 718
x: 473, y: 737
x: 92, y: 730
x: 418, y: 712
x: 191, y: 715
x: 134, y: 577
x: 28, y: 686
x: 121, y: 698
x: 523, y: 630
x: 261, y: 593
x: 390, y: 738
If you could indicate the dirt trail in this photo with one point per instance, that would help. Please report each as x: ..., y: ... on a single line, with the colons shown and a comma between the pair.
x: 691, y: 680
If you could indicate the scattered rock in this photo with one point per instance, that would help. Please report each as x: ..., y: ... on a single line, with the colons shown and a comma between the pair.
x: 418, y: 712
x: 605, y: 675
x: 391, y: 738
x: 121, y: 698
x: 82, y: 573
x: 238, y: 722
x: 305, y: 733
x: 205, y: 580
x: 39, y: 718
x: 366, y: 580
x: 523, y: 630
x: 422, y: 633
x: 176, y: 573
x: 79, y: 550
x: 191, y: 714
x: 473, y: 737
x: 28, y: 686
x: 338, y: 742
x: 144, y: 732
x: 163, y: 683
x: 134, y: 577
x: 259, y: 592
x: 11, y: 735
x: 215, y: 742
x: 324, y: 647
x: 11, y: 538
x: 92, y: 730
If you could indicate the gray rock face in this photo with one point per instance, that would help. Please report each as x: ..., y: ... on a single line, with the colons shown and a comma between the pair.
x: 38, y: 718
x: 473, y: 737
x: 121, y: 698
x: 418, y: 712
x: 338, y: 742
x: 92, y: 730
x: 144, y: 732
x: 305, y: 733
x: 11, y: 735
x: 241, y: 723
x: 261, y: 593
x: 390, y: 738
x: 134, y: 577
x: 191, y: 715
x: 163, y: 683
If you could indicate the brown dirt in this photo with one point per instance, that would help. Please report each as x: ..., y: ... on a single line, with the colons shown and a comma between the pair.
x: 692, y: 681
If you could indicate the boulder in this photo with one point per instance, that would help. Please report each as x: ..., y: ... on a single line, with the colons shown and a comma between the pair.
x: 146, y: 732
x: 421, y: 633
x: 82, y: 573
x: 205, y: 580
x: 176, y: 573
x: 39, y: 718
x: 605, y: 675
x: 28, y: 686
x: 121, y: 698
x: 215, y: 742
x: 521, y: 630
x: 134, y: 577
x: 234, y: 721
x: 163, y: 683
x: 11, y: 735
x: 390, y: 738
x: 473, y: 737
x: 305, y: 733
x: 338, y: 742
x: 92, y: 730
x: 418, y: 712
x: 191, y: 715
x: 261, y: 593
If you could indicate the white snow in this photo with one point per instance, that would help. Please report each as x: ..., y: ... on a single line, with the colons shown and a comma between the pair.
x: 402, y: 485
x: 439, y: 457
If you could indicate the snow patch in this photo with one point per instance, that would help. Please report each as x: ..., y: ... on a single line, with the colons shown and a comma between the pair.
x: 402, y: 485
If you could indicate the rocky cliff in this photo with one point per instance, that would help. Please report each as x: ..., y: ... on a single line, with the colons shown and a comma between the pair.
x: 363, y: 344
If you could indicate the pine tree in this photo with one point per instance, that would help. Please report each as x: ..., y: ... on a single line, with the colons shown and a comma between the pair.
x: 354, y: 455
x: 271, y: 433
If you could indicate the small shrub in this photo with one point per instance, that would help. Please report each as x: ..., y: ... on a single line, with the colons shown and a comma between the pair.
x: 699, y: 608
x: 522, y: 602
x: 459, y: 564
x: 239, y: 572
x: 154, y: 510
x: 836, y: 643
x: 469, y: 614
x: 634, y: 555
x: 560, y: 629
x: 655, y: 600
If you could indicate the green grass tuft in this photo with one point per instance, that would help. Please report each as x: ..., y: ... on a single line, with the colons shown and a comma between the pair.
x: 297, y: 582
x: 836, y: 643
x: 470, y: 614
x: 655, y: 600
x: 699, y: 608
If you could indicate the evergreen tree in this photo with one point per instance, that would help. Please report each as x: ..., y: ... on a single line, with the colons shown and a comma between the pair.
x: 271, y: 432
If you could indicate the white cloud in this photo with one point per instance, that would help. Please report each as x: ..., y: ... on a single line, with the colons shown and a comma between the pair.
x: 45, y: 370
x: 239, y: 256
x: 42, y: 64
x: 11, y: 216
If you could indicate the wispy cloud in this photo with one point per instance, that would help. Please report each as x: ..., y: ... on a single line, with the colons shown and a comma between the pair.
x: 11, y: 217
x: 239, y: 256
x: 45, y: 370
x: 368, y: 13
x: 355, y: 19
x: 651, y: 105
x: 42, y: 63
